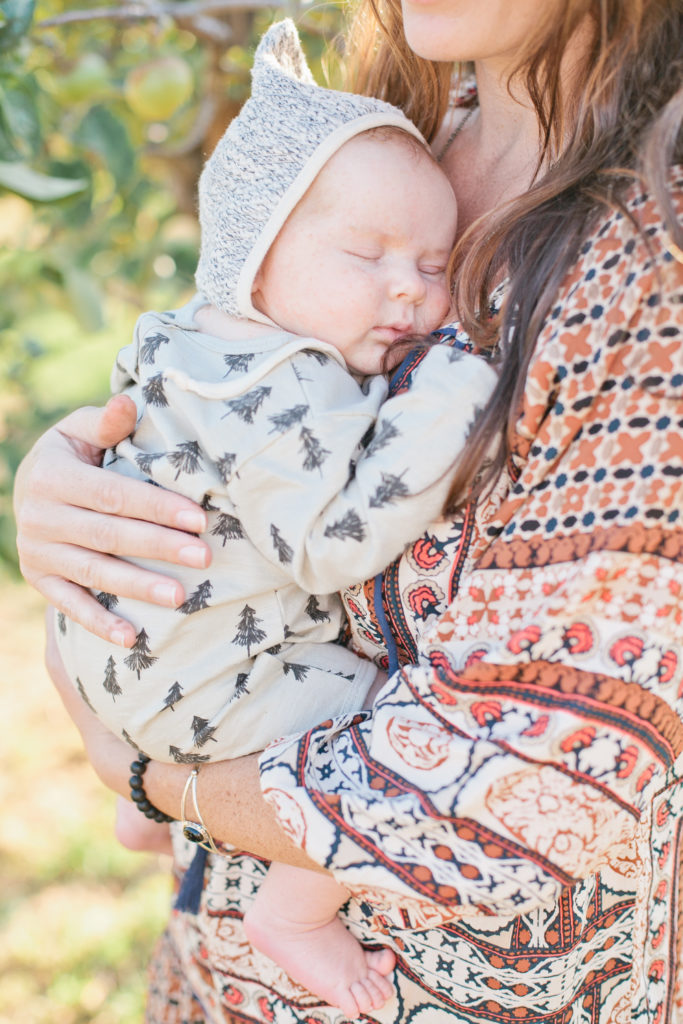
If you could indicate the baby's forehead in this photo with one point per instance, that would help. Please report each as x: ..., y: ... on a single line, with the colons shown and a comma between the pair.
x: 367, y: 159
x: 385, y: 143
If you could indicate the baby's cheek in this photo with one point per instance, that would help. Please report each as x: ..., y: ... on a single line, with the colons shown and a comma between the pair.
x: 437, y: 308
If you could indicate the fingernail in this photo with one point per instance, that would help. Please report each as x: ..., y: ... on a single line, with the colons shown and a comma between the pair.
x: 118, y: 636
x: 193, y: 522
x: 194, y: 556
x: 166, y: 593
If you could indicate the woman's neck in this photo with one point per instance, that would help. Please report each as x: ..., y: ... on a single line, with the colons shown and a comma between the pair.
x: 496, y: 157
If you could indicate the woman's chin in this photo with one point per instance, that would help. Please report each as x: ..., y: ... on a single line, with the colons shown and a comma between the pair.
x: 468, y: 30
x: 429, y: 34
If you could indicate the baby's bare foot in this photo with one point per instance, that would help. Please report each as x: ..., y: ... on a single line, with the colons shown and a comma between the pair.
x: 325, y: 958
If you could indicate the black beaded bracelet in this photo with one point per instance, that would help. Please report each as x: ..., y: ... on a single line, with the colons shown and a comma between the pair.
x: 137, y: 791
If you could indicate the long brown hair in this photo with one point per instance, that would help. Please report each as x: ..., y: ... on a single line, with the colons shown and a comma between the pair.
x: 626, y: 121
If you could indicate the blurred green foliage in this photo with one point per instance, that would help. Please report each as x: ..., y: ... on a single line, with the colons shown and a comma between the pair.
x: 106, y: 113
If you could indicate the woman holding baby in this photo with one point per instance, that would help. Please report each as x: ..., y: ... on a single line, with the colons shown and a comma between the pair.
x: 507, y: 817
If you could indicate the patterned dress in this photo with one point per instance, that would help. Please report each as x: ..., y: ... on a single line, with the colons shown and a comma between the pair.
x: 508, y: 819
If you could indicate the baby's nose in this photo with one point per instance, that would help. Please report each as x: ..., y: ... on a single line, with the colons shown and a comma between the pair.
x: 408, y: 284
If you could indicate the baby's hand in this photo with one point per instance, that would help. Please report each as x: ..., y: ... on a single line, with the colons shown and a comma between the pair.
x: 136, y: 832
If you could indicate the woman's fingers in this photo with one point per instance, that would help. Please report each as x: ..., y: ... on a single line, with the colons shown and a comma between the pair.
x: 112, y: 493
x: 102, y: 572
x: 48, y: 557
x: 63, y: 466
x: 116, y: 495
x: 56, y: 473
x: 62, y: 496
x: 75, y: 570
x: 53, y: 523
x: 92, y: 428
x: 80, y: 606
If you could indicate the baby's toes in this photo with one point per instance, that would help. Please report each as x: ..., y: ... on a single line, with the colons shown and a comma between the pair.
x: 371, y: 992
x: 381, y: 960
x: 365, y: 992
x: 348, y: 1005
x: 382, y: 986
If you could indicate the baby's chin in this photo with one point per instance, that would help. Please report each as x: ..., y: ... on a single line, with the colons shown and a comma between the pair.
x: 370, y: 367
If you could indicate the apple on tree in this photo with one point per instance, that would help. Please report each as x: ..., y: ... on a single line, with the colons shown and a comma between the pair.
x: 88, y: 79
x: 156, y: 89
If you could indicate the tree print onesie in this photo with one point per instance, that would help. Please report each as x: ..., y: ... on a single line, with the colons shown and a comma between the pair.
x: 311, y: 482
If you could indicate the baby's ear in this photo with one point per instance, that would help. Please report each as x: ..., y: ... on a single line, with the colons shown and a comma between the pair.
x: 256, y: 292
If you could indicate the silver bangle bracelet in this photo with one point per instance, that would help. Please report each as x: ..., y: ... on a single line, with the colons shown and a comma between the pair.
x: 195, y: 831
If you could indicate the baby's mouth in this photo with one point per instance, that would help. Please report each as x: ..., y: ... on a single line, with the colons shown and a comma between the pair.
x: 392, y: 332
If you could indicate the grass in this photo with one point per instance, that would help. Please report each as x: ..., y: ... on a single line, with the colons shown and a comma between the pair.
x: 78, y: 913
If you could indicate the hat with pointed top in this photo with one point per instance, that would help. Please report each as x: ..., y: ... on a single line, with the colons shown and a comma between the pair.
x: 266, y: 160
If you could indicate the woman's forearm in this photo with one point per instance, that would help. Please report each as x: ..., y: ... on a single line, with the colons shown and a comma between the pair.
x: 231, y: 803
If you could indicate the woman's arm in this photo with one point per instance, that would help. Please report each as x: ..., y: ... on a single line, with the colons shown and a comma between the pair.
x: 229, y: 792
x: 62, y: 496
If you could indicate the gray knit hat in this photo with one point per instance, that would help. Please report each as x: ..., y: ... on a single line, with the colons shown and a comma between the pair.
x: 265, y: 162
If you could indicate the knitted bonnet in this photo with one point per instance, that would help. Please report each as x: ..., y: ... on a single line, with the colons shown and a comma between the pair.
x: 265, y: 162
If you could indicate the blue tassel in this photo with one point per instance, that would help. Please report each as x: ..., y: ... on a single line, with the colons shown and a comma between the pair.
x: 383, y: 624
x: 190, y: 892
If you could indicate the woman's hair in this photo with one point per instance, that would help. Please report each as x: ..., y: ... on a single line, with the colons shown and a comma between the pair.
x: 378, y: 62
x: 624, y: 121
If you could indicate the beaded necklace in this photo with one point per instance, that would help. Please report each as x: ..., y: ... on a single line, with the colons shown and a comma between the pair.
x: 454, y: 134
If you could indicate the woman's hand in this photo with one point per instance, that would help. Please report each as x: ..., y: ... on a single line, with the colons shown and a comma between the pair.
x: 73, y: 516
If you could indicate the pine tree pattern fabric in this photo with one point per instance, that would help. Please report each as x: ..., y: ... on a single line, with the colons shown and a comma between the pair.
x: 263, y: 436
x: 508, y: 818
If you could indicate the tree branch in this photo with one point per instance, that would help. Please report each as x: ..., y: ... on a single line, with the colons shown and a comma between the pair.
x: 154, y: 11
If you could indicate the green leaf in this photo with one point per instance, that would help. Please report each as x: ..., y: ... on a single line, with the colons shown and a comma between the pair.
x: 15, y: 18
x: 103, y: 134
x: 8, y: 151
x: 20, y: 116
x: 20, y: 178
x: 85, y: 298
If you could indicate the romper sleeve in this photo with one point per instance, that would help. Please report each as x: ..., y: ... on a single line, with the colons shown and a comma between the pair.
x: 333, y: 523
x: 542, y: 729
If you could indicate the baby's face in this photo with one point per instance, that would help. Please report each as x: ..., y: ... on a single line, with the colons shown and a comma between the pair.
x: 362, y: 259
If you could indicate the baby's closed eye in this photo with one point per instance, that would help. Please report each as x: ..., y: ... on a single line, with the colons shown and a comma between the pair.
x: 364, y: 254
x: 434, y: 269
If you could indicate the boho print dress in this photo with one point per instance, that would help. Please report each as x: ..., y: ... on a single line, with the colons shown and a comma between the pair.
x: 508, y: 818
